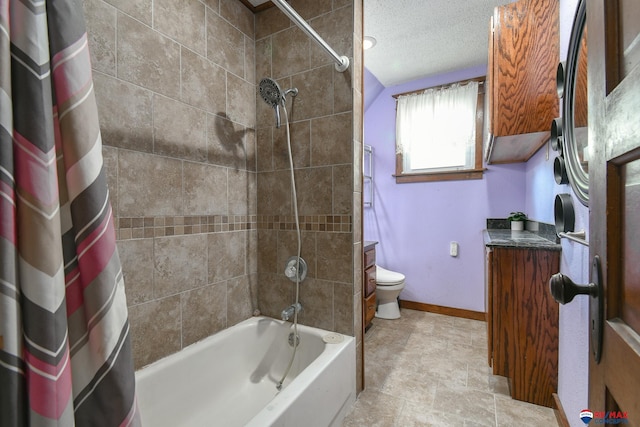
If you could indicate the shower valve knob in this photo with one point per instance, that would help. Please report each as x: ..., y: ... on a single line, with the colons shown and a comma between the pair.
x: 295, y: 269
x: 290, y: 272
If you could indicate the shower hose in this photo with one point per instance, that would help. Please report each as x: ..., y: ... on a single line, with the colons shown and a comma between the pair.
x: 295, y: 211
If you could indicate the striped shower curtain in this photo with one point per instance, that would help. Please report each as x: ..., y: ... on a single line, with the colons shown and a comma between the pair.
x: 65, y: 352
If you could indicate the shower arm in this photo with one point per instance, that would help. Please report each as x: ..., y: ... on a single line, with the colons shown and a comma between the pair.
x: 342, y: 62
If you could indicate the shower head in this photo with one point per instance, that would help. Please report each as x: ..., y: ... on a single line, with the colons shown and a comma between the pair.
x: 271, y: 92
x: 274, y: 96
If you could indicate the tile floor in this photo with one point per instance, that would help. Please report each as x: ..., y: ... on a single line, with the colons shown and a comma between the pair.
x: 427, y: 369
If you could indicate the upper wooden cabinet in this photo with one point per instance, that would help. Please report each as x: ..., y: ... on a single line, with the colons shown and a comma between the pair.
x: 521, y: 79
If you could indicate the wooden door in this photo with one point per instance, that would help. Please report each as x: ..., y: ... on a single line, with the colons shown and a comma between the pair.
x: 614, y: 176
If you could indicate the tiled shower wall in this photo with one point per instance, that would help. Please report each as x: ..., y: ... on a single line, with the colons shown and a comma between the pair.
x: 204, y: 217
x: 326, y: 138
x: 175, y: 86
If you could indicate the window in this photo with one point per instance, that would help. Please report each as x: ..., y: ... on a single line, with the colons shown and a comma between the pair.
x: 439, y: 133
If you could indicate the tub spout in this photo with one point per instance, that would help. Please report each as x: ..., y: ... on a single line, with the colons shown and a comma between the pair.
x: 291, y: 310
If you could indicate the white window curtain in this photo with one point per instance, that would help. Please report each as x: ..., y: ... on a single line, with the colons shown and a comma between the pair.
x: 435, y: 130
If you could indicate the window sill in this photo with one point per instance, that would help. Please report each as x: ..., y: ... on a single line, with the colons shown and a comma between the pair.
x: 440, y: 176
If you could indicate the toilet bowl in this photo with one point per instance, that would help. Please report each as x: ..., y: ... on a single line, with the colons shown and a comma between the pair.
x: 389, y: 284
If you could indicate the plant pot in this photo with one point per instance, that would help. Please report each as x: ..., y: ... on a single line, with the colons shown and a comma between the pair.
x: 517, y: 225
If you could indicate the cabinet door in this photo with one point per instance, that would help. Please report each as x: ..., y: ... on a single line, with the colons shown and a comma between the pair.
x: 523, y: 58
x: 525, y: 61
x: 526, y: 323
x: 503, y: 301
x: 536, y: 369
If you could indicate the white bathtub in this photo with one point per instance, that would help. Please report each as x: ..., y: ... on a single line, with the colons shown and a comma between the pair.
x: 229, y: 379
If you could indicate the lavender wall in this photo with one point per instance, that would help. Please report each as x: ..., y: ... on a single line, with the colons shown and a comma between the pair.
x: 374, y: 87
x: 573, y: 363
x: 414, y: 223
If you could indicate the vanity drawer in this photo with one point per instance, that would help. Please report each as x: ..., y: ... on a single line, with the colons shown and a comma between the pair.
x: 369, y: 308
x: 370, y: 280
x: 369, y: 258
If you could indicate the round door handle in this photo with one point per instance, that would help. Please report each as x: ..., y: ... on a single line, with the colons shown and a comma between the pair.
x: 564, y: 289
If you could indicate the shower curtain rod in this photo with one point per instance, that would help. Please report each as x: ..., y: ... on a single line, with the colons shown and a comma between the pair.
x: 342, y: 62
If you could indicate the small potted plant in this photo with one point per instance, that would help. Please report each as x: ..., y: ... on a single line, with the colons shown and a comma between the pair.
x: 517, y: 220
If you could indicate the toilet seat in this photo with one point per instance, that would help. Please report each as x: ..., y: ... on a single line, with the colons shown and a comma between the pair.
x: 386, y: 277
x: 390, y: 288
x: 389, y: 284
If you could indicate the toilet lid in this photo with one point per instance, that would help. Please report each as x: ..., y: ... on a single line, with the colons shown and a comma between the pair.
x: 386, y: 277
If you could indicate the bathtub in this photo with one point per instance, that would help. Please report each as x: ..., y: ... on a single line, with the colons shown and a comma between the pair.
x: 229, y: 379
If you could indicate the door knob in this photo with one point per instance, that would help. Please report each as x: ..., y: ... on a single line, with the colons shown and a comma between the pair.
x: 564, y: 289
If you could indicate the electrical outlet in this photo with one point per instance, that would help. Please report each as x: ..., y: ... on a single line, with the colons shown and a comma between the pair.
x: 453, y: 249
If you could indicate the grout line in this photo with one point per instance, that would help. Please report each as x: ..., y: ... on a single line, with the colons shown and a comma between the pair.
x: 206, y: 32
x: 399, y: 416
x: 115, y: 45
x: 180, y: 84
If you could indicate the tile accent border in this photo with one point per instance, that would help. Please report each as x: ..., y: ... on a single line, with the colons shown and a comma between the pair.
x: 128, y: 228
x: 159, y: 226
x: 334, y: 223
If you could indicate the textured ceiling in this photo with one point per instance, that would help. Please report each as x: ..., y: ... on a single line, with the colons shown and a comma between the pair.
x: 421, y: 38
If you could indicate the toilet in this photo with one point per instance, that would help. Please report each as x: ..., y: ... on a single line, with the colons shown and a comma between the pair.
x: 389, y: 284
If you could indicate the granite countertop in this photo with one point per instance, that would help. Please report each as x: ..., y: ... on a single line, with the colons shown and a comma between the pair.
x: 518, y: 239
x: 537, y: 236
x: 368, y: 245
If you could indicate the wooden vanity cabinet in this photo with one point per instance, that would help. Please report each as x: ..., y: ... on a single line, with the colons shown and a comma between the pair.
x: 521, y: 79
x: 522, y: 321
x: 369, y: 286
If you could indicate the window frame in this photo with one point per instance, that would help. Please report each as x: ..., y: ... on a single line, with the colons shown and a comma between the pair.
x: 477, y: 171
